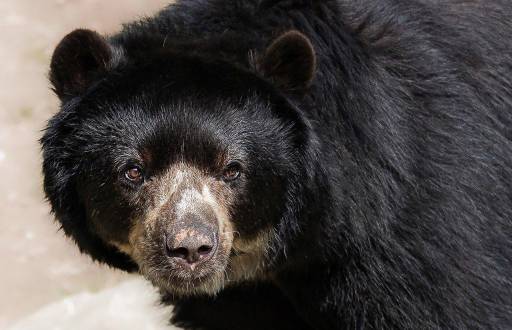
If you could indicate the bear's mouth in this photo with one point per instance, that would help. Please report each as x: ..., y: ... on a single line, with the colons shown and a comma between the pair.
x: 174, y: 273
x: 227, y: 265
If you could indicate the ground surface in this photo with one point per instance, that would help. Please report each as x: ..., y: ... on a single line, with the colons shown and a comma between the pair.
x: 43, y: 277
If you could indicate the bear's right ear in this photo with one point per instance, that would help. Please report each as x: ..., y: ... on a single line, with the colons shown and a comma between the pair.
x: 79, y: 58
x: 289, y: 61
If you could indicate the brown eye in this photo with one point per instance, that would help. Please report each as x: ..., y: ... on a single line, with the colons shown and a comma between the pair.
x: 232, y: 171
x: 134, y: 174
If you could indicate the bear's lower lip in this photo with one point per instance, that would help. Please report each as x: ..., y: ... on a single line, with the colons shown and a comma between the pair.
x: 173, y: 278
x: 184, y: 266
x: 187, y: 272
x: 183, y: 271
x: 183, y: 286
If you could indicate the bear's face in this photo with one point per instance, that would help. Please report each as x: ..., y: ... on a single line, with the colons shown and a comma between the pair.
x: 190, y: 193
x: 182, y: 164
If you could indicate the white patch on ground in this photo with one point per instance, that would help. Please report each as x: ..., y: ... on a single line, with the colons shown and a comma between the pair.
x: 132, y: 304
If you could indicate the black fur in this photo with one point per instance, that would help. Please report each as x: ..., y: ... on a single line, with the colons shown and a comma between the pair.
x: 392, y: 198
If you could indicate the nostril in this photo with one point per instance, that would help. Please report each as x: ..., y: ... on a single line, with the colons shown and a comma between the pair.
x: 180, y: 252
x: 204, y: 250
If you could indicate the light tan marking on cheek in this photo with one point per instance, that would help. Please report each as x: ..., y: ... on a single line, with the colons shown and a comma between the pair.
x: 123, y: 247
x: 250, y: 263
x: 134, y: 235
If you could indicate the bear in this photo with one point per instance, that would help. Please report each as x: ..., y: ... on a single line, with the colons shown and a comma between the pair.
x: 295, y: 164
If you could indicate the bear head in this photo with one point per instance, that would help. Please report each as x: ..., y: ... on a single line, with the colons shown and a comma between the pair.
x: 176, y: 163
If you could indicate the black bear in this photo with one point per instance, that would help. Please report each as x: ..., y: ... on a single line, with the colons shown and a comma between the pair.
x: 295, y: 164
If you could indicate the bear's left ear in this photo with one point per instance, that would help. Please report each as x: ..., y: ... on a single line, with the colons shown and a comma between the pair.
x: 289, y: 61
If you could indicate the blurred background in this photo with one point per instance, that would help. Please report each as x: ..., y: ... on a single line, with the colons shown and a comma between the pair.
x: 44, y: 282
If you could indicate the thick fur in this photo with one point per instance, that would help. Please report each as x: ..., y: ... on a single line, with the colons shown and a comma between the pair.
x: 393, y: 202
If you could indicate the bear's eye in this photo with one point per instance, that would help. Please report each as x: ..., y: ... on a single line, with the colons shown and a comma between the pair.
x: 134, y: 174
x: 232, y: 171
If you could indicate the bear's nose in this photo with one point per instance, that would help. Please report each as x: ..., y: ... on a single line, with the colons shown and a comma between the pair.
x: 190, y: 245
